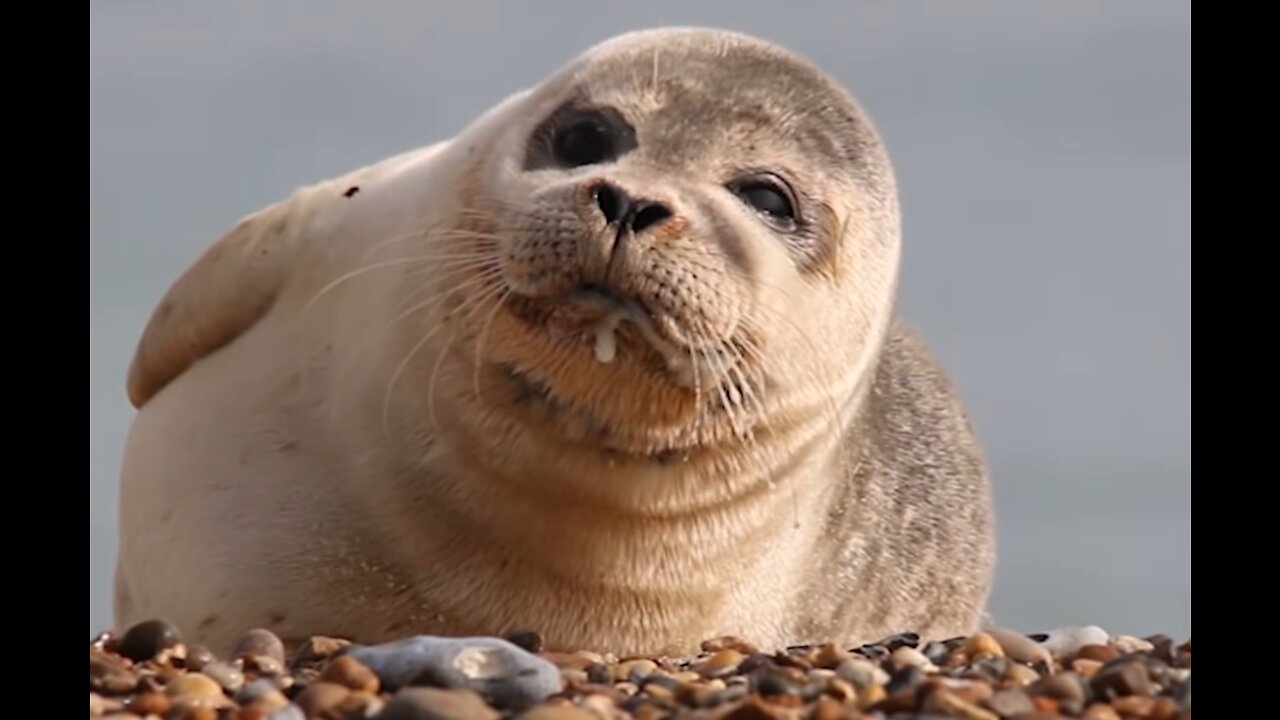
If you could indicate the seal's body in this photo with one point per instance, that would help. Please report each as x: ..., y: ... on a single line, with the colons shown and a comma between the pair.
x: 618, y: 363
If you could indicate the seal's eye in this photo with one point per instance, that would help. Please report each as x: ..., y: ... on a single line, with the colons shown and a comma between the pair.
x: 585, y: 141
x: 768, y: 196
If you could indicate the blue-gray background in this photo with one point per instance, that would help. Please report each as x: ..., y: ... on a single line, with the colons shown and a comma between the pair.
x: 1044, y: 151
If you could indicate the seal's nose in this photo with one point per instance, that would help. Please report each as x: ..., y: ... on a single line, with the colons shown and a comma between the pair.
x: 636, y: 215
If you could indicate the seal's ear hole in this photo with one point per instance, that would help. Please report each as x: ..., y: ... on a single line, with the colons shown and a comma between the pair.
x: 576, y: 136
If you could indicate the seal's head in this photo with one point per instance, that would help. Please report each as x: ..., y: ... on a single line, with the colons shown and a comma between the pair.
x: 692, y: 233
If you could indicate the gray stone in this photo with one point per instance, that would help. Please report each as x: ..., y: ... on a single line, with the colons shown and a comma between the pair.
x: 501, y: 671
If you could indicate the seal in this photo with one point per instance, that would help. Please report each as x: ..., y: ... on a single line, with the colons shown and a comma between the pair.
x: 619, y: 362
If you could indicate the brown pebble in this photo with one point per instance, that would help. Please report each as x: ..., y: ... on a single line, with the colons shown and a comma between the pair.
x: 830, y: 656
x: 321, y: 696
x: 257, y: 666
x: 602, y: 707
x: 196, y: 657
x: 319, y: 647
x: 729, y: 642
x: 148, y: 703
x: 870, y: 695
x: 1009, y: 702
x: 351, y: 673
x: 555, y: 712
x: 841, y: 689
x: 641, y: 667
x: 1020, y: 675
x: 943, y: 701
x: 1063, y: 686
x: 194, y: 685
x: 1101, y: 653
x: 109, y: 676
x: 359, y: 704
x: 754, y: 708
x: 827, y: 708
x: 1138, y: 705
x: 721, y: 663
x: 1086, y: 667
x: 1045, y: 704
x: 428, y: 703
x: 974, y: 692
x: 226, y: 675
x: 1100, y: 711
x: 259, y: 642
x: 980, y: 644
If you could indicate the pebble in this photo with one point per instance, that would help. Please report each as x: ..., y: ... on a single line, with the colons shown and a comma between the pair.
x: 424, y: 703
x: 350, y: 673
x: 527, y: 640
x: 292, y: 712
x: 1098, y: 711
x: 319, y: 697
x: 729, y: 642
x: 225, y: 674
x: 906, y: 656
x: 197, y: 657
x: 862, y: 673
x: 1064, y: 642
x: 721, y: 663
x: 983, y: 644
x: 1129, y: 644
x: 1063, y: 686
x: 259, y: 643
x: 194, y: 686
x: 147, y: 638
x: 497, y: 669
x: 1009, y: 702
x: 996, y: 675
x: 1019, y: 647
x: 148, y: 703
x: 948, y: 703
x: 1123, y: 677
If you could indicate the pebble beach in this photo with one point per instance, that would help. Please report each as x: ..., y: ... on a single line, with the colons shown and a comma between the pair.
x: 1079, y: 672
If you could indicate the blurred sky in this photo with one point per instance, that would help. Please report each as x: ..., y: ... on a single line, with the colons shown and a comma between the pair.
x: 1044, y: 153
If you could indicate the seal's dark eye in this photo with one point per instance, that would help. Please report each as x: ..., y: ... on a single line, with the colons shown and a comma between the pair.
x: 586, y: 141
x: 769, y: 197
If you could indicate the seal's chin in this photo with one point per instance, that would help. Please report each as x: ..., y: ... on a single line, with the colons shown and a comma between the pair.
x: 594, y: 316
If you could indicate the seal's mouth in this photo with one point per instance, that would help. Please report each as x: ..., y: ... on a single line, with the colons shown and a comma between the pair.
x: 595, y: 314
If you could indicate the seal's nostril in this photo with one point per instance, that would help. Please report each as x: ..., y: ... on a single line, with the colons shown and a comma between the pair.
x: 611, y: 201
x: 648, y: 214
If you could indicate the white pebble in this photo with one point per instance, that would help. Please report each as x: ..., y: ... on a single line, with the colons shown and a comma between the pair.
x: 1067, y: 640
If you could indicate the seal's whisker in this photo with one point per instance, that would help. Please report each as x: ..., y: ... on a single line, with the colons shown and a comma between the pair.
x: 481, y: 278
x: 397, y: 262
x: 395, y: 376
x: 484, y: 329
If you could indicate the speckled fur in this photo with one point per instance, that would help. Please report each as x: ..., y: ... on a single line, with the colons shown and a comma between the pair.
x: 348, y: 426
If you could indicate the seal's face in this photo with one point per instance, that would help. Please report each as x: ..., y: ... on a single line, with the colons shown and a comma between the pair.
x: 668, y: 223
